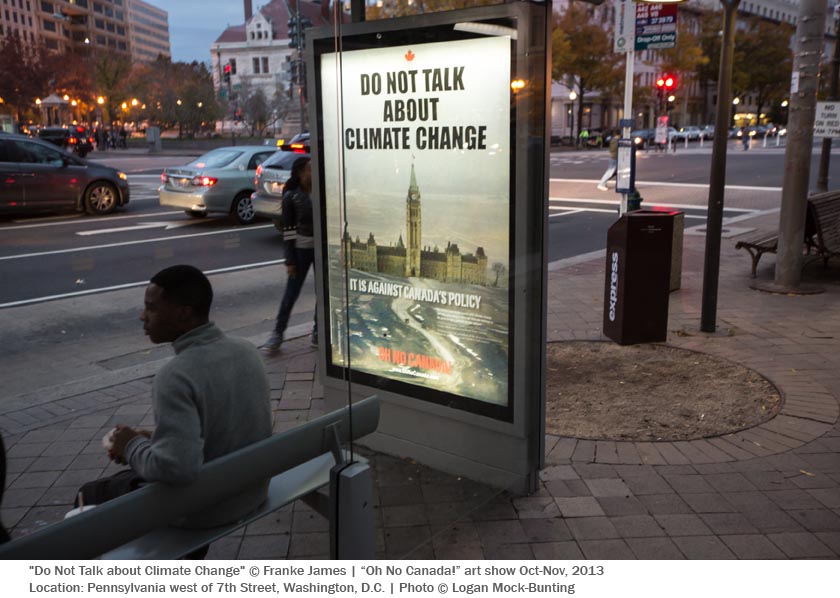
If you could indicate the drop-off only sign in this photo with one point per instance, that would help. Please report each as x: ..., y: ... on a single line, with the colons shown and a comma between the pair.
x: 656, y: 26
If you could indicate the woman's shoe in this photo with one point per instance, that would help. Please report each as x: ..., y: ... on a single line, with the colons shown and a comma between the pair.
x: 274, y: 341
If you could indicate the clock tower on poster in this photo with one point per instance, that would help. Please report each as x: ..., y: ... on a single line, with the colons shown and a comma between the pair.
x: 412, y: 222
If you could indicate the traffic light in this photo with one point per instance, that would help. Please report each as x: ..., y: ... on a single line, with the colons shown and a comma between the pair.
x: 666, y: 83
x: 227, y: 73
x: 294, y: 33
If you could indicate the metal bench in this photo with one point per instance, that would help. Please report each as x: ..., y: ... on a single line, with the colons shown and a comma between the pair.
x: 758, y: 245
x: 824, y: 213
x: 822, y: 232
x: 298, y: 462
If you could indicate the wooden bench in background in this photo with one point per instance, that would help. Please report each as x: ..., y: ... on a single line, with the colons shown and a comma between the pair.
x: 822, y: 232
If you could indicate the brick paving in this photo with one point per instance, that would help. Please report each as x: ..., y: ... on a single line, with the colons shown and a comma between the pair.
x: 770, y: 492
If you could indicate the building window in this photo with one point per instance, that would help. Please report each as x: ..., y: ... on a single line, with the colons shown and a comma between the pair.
x: 233, y: 66
x: 47, y: 7
x: 49, y: 25
x: 256, y: 66
x: 265, y: 64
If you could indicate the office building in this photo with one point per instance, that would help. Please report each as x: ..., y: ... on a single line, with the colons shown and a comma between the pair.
x: 148, y: 30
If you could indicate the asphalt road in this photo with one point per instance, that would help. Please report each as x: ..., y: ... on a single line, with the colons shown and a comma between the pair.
x: 65, y: 256
x: 99, y: 265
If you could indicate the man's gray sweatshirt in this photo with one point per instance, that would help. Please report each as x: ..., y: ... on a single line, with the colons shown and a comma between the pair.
x: 209, y: 400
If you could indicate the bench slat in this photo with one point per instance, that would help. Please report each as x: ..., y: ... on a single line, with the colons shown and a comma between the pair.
x: 169, y: 543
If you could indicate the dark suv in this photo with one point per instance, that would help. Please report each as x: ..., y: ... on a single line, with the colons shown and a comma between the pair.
x: 299, y: 144
x: 74, y: 139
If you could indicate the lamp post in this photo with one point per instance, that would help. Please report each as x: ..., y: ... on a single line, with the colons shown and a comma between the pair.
x: 717, y: 178
x: 833, y: 93
x: 573, y: 97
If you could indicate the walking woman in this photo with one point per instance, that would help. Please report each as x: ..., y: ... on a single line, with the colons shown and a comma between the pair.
x: 298, y: 236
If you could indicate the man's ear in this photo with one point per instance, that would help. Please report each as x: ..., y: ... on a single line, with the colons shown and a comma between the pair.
x: 185, y: 313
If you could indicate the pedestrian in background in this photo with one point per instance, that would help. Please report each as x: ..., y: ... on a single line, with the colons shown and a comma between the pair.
x: 613, y: 164
x: 745, y: 138
x: 299, y: 241
x: 584, y: 138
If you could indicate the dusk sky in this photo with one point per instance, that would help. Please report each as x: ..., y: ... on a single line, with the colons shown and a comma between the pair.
x: 195, y: 24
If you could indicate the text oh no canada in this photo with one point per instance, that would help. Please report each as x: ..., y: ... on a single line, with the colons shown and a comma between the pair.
x: 399, y: 114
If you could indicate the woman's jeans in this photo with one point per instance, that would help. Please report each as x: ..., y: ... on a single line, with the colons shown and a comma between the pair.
x: 304, y: 259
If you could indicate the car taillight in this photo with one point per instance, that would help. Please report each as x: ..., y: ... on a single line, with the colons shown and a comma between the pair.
x: 259, y: 171
x: 298, y: 148
x: 203, y: 181
x: 72, y: 141
x: 162, y: 177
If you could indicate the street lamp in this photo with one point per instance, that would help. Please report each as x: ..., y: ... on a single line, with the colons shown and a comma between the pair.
x: 714, y: 221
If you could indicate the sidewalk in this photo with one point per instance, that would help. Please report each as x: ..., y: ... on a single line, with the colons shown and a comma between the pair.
x: 769, y: 492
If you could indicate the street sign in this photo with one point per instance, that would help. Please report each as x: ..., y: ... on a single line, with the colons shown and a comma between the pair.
x: 661, y: 130
x: 656, y: 26
x: 827, y: 121
x: 625, y: 173
x: 625, y: 25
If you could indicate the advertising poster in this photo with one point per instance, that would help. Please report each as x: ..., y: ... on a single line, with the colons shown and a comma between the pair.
x: 418, y: 280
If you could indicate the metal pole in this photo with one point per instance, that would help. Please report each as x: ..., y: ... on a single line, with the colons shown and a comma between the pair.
x: 833, y: 93
x: 717, y: 179
x: 803, y: 100
x: 300, y: 80
x: 357, y: 11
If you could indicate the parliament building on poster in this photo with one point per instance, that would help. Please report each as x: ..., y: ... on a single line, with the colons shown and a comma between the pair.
x: 410, y: 258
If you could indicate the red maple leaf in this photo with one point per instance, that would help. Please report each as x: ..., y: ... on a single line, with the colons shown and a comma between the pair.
x: 409, y: 55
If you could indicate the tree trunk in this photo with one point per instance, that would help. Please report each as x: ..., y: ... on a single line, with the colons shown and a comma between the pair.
x: 806, y: 62
x: 580, y: 113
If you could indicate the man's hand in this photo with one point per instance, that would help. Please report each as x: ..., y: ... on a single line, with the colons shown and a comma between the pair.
x: 291, y: 270
x: 122, y: 436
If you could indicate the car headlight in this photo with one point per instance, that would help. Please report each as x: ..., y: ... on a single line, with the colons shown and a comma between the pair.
x: 122, y: 176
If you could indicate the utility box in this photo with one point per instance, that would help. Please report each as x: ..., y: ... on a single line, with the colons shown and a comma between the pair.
x: 153, y: 139
x: 638, y: 277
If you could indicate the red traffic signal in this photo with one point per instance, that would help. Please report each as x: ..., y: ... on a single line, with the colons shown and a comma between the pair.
x: 666, y: 82
x: 227, y: 68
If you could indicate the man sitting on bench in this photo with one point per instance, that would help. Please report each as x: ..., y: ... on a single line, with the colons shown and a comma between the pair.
x: 212, y: 398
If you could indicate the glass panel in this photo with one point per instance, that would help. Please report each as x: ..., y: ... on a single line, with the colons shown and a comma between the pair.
x: 416, y: 159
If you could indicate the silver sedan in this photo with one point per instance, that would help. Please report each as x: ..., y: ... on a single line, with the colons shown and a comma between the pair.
x: 221, y: 181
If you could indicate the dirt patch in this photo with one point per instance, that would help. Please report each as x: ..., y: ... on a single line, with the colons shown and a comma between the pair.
x: 604, y: 391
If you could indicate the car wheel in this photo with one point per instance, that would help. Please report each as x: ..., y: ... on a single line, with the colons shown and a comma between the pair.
x: 195, y: 214
x: 242, y: 209
x: 278, y: 224
x: 100, y: 198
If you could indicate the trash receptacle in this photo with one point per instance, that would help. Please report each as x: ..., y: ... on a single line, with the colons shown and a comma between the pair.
x: 638, y: 277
